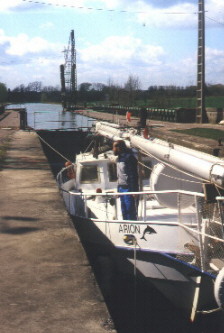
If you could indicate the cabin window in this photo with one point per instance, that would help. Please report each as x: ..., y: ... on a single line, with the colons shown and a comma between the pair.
x: 112, y: 171
x: 90, y: 174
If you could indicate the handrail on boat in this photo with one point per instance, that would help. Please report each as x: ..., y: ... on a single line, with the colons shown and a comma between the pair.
x: 143, y: 222
x: 206, y: 228
x: 106, y: 194
x: 219, y: 198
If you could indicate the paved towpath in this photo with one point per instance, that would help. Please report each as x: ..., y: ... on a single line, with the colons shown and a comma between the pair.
x: 10, y: 119
x: 46, y: 282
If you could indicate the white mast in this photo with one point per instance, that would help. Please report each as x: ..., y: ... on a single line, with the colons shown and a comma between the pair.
x: 198, y: 164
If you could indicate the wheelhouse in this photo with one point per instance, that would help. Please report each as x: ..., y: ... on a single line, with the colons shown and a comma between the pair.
x: 96, y: 173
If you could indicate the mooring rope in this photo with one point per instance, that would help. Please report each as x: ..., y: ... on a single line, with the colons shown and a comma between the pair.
x: 56, y: 151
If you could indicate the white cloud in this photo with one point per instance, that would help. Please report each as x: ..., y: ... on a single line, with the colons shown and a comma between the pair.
x: 170, y: 14
x: 47, y: 25
x: 180, y: 15
x: 215, y: 4
x: 7, y: 5
x: 117, y: 57
x: 22, y: 44
x: 215, y: 12
x: 37, y: 69
x: 121, y: 49
x: 214, y: 65
x: 24, y: 59
x: 213, y: 53
x: 110, y: 4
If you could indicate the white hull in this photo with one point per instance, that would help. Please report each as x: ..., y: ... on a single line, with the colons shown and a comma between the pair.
x: 177, y: 242
x: 174, y: 278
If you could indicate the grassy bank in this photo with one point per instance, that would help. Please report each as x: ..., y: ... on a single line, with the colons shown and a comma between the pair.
x: 208, y: 133
x: 211, y: 101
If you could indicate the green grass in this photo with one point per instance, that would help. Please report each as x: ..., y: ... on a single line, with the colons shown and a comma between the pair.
x: 217, y: 102
x: 187, y: 102
x: 208, y: 133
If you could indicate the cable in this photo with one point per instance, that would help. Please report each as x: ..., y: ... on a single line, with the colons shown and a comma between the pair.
x: 104, y: 9
x: 212, y: 19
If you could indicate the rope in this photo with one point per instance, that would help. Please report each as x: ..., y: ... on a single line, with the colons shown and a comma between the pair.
x: 57, y: 152
x: 218, y: 190
x: 210, y: 171
x: 186, y: 180
x: 173, y: 167
x: 210, y: 311
x: 89, y: 146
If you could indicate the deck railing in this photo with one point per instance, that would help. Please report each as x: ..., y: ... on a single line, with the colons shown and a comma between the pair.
x: 207, y: 226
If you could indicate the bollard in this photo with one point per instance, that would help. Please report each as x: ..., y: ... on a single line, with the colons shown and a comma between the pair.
x: 23, y: 119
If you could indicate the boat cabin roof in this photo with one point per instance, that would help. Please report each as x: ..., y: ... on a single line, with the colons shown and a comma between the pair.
x: 96, y: 173
x: 88, y: 157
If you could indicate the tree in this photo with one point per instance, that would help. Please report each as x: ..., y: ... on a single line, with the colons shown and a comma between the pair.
x: 132, y: 86
x: 34, y: 86
x: 98, y: 86
x: 112, y: 92
x: 3, y: 92
x: 21, y: 88
x: 85, y: 86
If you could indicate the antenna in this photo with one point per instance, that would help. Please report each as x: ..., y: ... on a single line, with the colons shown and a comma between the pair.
x: 69, y: 75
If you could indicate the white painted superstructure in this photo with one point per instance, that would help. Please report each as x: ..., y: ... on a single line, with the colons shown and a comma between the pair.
x: 178, y: 235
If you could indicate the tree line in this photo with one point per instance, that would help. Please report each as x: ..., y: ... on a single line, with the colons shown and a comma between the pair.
x: 3, y: 93
x: 129, y: 94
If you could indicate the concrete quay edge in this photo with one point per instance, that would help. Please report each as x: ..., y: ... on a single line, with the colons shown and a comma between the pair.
x: 46, y: 282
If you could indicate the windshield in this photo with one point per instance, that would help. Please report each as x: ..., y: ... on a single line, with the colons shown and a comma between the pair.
x: 89, y: 174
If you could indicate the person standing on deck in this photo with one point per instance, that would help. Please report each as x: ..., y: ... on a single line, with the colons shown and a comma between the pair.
x: 127, y: 174
x: 143, y: 117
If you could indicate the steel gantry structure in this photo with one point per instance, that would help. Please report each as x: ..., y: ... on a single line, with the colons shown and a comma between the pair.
x: 69, y: 75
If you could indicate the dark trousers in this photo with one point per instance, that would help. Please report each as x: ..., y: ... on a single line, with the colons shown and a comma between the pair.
x: 128, y: 205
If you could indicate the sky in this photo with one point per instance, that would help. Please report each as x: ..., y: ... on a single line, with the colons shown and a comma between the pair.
x: 153, y: 40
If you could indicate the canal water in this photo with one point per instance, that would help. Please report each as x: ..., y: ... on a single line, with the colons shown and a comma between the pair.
x: 42, y: 116
x: 134, y: 304
x: 63, y: 134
